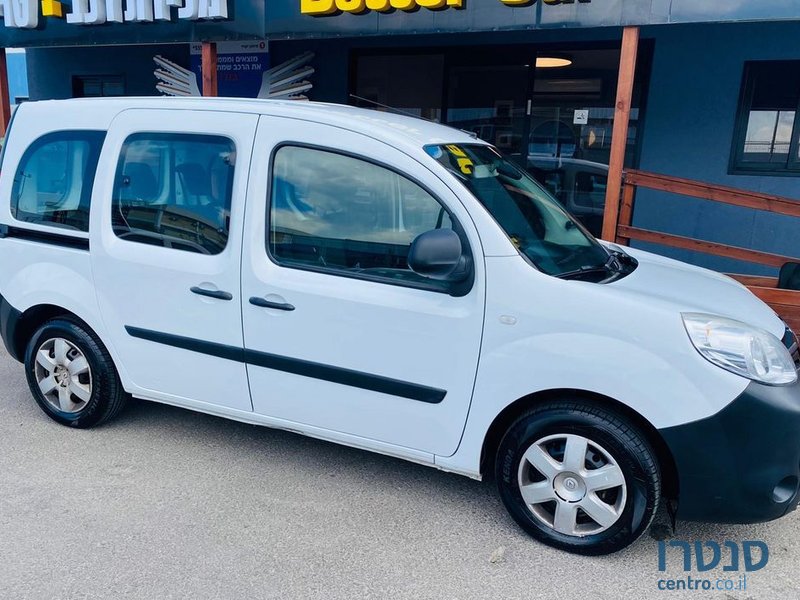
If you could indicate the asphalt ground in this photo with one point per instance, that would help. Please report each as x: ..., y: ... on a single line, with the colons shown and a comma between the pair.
x: 167, y: 503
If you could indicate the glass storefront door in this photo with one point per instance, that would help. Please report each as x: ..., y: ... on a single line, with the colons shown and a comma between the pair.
x: 571, y: 120
x: 491, y: 101
x: 551, y: 110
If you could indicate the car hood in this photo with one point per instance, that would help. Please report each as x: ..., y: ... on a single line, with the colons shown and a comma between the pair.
x: 694, y: 289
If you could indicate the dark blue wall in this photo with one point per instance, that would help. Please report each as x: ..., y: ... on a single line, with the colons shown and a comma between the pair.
x: 689, y: 124
x: 50, y: 70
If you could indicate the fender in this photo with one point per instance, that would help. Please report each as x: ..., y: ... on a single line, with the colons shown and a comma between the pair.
x: 636, y: 353
x: 54, y: 276
x: 585, y: 365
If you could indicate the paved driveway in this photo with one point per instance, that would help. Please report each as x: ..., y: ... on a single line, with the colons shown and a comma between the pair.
x: 166, y: 503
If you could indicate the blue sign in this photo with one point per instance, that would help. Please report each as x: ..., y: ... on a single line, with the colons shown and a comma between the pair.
x: 240, y: 67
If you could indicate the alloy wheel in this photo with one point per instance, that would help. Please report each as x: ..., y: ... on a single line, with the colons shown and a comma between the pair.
x: 572, y: 485
x: 63, y: 375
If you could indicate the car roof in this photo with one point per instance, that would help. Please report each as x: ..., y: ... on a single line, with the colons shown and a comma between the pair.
x: 400, y: 129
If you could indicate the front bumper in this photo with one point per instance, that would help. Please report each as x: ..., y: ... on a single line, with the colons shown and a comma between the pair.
x: 741, y: 465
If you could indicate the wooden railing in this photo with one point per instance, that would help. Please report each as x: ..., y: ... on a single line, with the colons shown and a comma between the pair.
x: 785, y: 302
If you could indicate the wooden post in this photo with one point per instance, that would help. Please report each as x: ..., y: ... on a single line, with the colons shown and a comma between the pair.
x: 209, y: 68
x: 619, y: 136
x: 5, y: 101
x: 626, y: 210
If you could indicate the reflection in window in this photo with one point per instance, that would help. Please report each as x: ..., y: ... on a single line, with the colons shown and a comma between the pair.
x: 769, y: 135
x: 767, y: 132
x: 53, y: 182
x: 337, y: 212
x: 174, y: 190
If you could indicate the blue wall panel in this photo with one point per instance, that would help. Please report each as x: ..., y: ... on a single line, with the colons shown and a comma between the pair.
x: 689, y: 125
x: 17, y: 74
x: 50, y: 70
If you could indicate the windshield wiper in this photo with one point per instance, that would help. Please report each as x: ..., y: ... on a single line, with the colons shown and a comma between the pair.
x: 612, y: 265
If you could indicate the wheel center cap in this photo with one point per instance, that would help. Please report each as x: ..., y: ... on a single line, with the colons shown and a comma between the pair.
x: 569, y: 487
x: 62, y: 376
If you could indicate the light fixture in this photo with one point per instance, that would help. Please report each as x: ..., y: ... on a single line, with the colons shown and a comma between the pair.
x: 552, y: 62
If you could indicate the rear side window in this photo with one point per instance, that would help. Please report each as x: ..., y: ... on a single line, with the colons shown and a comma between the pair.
x: 174, y: 190
x: 53, y: 181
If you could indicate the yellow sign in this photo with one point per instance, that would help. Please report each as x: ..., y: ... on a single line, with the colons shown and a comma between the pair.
x: 52, y: 8
x: 329, y: 7
x: 529, y: 2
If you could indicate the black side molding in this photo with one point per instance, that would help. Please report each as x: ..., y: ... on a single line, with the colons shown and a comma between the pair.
x: 357, y: 379
x: 296, y: 366
x: 187, y: 343
x: 44, y: 237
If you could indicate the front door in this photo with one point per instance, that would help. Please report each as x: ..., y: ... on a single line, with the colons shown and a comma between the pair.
x: 340, y: 335
x: 166, y: 248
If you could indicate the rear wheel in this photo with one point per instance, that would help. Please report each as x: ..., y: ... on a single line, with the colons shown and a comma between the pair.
x: 71, y: 374
x: 578, y: 477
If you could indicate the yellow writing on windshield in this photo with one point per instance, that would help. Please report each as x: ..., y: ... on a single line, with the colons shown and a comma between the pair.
x: 464, y: 163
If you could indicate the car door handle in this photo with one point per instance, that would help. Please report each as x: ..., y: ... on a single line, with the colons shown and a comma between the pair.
x: 258, y: 301
x: 218, y: 294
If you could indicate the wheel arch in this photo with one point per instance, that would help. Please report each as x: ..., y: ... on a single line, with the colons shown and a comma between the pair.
x: 510, y: 413
x: 19, y: 327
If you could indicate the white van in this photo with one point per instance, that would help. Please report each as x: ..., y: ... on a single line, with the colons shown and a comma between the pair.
x: 393, y: 285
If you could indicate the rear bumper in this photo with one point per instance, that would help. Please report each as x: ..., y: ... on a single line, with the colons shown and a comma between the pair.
x: 9, y: 318
x: 741, y: 465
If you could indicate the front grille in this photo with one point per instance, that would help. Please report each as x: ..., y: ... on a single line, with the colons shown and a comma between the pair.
x: 790, y: 341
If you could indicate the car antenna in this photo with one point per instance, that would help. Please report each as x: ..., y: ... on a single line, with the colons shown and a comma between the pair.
x: 409, y: 114
x: 397, y: 110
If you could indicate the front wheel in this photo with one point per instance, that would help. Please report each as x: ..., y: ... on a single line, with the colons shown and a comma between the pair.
x: 71, y: 374
x: 578, y: 477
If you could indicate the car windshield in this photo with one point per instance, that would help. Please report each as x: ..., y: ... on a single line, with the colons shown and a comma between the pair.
x: 537, y: 225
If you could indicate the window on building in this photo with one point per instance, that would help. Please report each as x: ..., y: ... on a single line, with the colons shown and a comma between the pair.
x: 337, y: 213
x: 93, y: 86
x: 53, y: 182
x: 767, y: 129
x: 174, y: 190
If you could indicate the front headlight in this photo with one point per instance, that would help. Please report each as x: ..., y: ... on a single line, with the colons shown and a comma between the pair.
x: 741, y: 349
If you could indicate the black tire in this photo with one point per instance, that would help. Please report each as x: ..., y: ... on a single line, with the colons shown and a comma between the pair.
x: 626, y: 445
x: 107, y: 397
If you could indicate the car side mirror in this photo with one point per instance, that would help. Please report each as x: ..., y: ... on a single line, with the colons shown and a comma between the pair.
x: 789, y: 278
x: 437, y: 254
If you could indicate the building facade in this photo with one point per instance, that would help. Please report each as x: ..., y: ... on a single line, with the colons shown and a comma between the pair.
x: 715, y: 97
